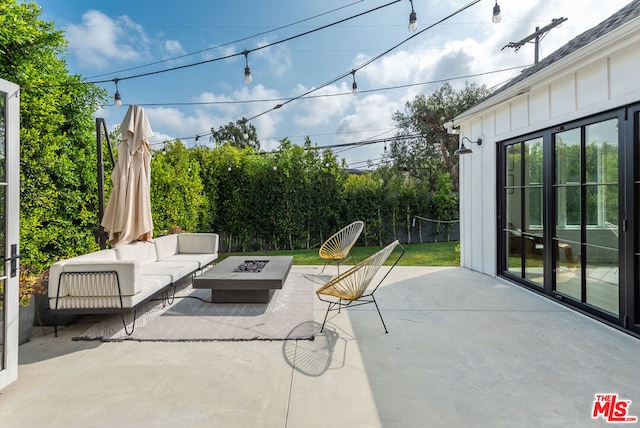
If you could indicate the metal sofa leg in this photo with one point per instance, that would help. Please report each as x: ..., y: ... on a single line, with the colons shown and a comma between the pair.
x: 133, y: 324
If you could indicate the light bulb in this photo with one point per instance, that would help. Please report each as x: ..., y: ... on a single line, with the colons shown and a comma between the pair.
x: 247, y: 75
x: 355, y: 88
x: 496, y: 14
x: 117, y: 100
x: 413, y: 24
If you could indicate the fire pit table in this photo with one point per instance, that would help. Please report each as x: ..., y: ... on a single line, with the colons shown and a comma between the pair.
x: 239, y: 279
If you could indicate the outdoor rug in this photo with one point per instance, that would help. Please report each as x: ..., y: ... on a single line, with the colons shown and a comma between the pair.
x: 191, y: 317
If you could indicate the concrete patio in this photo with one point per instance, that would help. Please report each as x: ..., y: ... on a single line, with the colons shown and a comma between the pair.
x: 463, y: 350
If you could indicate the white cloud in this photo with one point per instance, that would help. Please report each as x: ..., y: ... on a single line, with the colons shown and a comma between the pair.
x: 101, y: 41
x: 372, y: 113
x: 173, y: 47
x: 278, y: 57
x: 312, y: 112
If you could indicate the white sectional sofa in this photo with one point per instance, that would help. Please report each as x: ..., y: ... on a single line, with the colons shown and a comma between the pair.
x: 120, y: 279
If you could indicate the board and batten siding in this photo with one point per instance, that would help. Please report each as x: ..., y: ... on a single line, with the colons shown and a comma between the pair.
x: 601, y: 76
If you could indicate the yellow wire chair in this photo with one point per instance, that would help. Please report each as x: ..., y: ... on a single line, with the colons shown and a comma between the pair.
x: 350, y: 287
x: 337, y: 247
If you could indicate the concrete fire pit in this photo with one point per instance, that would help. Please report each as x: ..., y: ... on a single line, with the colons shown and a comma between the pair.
x: 240, y: 279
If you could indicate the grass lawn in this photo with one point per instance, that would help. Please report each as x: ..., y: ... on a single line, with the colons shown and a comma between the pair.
x: 428, y: 254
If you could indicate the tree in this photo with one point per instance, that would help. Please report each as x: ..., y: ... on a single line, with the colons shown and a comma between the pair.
x: 430, y: 154
x: 239, y: 134
x: 177, y: 193
x: 58, y: 178
x: 444, y: 205
x: 363, y: 201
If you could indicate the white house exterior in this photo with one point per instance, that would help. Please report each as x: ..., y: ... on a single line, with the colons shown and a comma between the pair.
x: 551, y: 197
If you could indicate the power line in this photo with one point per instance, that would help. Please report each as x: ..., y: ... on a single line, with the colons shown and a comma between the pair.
x: 228, y: 43
x: 342, y: 76
x: 180, y: 67
x: 366, y: 63
x: 387, y: 88
x: 536, y: 36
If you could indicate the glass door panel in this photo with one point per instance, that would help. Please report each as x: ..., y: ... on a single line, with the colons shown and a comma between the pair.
x: 586, y: 195
x: 9, y: 229
x: 523, y: 211
x: 602, y: 278
x: 514, y: 253
x: 3, y: 320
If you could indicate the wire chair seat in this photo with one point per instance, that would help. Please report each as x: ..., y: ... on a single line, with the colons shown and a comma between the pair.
x: 350, y: 287
x: 336, y: 248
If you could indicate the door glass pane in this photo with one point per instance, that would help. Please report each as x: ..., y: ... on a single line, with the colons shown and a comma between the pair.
x: 602, y: 230
x: 533, y: 162
x: 568, y: 157
x: 636, y: 218
x: 523, y: 210
x: 533, y: 209
x: 3, y: 244
x: 602, y: 278
x: 602, y: 152
x: 587, y: 214
x: 514, y: 253
x: 568, y: 212
x: 602, y: 215
x: 514, y: 165
x: 513, y: 217
x: 534, y: 263
x: 568, y: 271
x: 2, y: 229
x: 3, y: 142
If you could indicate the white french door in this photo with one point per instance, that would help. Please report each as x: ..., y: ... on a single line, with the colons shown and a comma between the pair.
x: 9, y: 229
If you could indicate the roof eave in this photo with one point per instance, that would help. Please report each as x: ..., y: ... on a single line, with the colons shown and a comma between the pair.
x: 541, y: 77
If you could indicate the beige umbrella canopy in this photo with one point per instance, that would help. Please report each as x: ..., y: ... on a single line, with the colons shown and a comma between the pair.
x: 127, y: 217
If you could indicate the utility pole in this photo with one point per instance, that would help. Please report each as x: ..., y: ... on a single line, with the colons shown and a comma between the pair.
x: 536, y: 35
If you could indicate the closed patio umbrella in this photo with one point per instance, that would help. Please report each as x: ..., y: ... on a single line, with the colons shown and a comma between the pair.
x: 127, y: 217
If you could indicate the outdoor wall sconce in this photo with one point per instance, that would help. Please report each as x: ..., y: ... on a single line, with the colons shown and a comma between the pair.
x: 465, y: 151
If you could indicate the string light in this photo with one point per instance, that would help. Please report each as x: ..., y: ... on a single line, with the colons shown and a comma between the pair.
x: 413, y: 24
x: 354, y: 85
x: 247, y: 71
x: 117, y: 100
x: 496, y: 13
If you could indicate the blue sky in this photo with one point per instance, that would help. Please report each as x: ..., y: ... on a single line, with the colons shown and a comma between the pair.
x: 112, y: 39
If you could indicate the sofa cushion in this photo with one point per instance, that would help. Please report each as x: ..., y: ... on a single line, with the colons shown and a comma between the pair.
x: 149, y: 286
x: 197, y: 243
x: 166, y: 246
x: 129, y: 278
x: 108, y: 254
x: 203, y: 260
x: 176, y: 270
x: 142, y: 251
x: 56, y: 268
